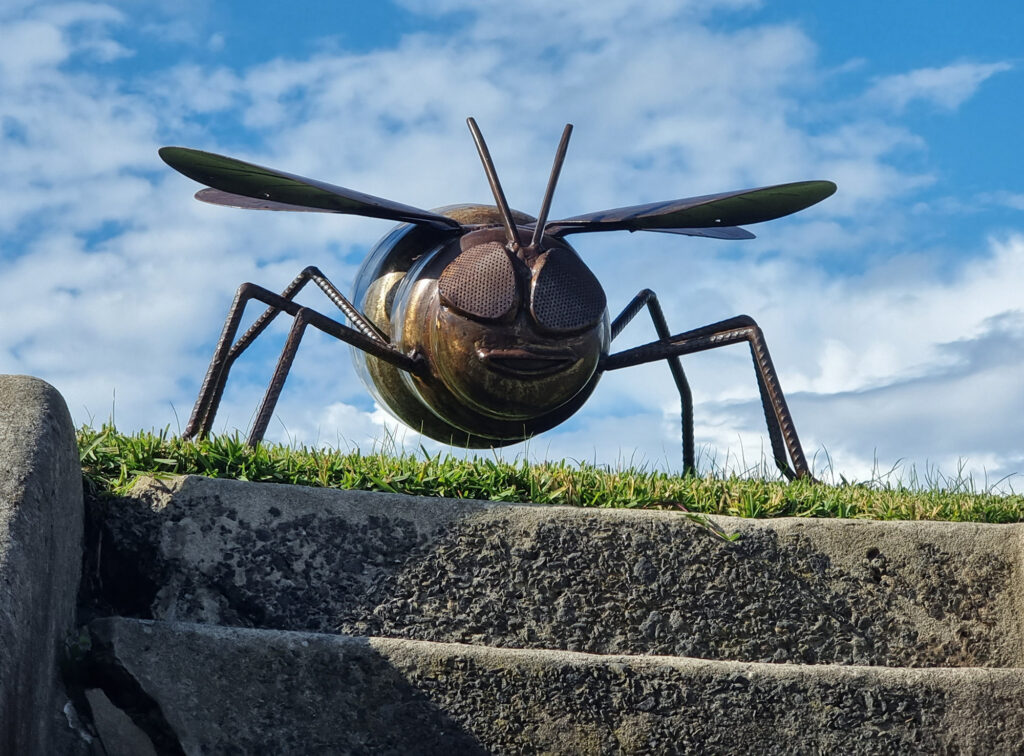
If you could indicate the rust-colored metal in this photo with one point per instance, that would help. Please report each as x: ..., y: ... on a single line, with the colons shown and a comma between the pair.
x: 549, y: 191
x: 466, y: 335
x: 511, y: 237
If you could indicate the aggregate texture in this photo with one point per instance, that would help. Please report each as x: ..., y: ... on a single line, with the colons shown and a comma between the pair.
x: 908, y: 594
x: 233, y: 690
x: 40, y: 561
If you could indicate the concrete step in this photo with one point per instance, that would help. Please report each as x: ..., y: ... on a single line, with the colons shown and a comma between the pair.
x: 897, y: 594
x: 200, y: 689
x: 279, y: 619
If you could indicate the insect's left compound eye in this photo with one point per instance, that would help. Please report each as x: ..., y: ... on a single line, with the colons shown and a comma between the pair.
x: 565, y: 295
x: 480, y: 282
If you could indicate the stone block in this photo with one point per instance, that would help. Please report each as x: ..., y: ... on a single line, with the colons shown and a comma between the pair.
x: 40, y: 560
x: 199, y: 689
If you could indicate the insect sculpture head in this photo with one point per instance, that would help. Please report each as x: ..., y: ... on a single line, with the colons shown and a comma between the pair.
x: 510, y: 319
x: 482, y: 326
x: 517, y: 335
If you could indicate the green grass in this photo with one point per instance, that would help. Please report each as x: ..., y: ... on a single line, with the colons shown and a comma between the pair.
x: 112, y: 461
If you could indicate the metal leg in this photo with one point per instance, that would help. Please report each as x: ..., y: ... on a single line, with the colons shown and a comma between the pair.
x: 303, y: 317
x: 781, y: 430
x: 217, y: 374
x: 365, y: 336
x: 284, y: 364
x: 650, y: 299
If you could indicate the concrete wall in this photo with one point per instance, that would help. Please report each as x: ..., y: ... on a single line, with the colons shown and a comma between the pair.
x: 915, y: 594
x: 40, y: 560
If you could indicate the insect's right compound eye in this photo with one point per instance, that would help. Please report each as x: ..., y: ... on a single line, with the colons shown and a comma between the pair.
x: 566, y: 296
x: 480, y: 283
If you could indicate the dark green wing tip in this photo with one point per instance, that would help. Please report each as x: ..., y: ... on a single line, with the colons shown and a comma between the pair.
x: 175, y: 155
x: 187, y: 161
x: 169, y: 154
x: 817, y: 190
x: 790, y: 198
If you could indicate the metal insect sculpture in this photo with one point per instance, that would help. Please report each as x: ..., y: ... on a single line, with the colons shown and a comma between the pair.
x: 478, y: 325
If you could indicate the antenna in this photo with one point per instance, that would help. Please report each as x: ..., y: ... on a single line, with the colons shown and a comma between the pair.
x: 549, y: 193
x: 492, y: 179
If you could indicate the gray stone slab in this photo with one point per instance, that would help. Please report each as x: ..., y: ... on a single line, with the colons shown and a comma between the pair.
x: 119, y: 735
x: 40, y: 559
x: 214, y: 689
x: 914, y: 594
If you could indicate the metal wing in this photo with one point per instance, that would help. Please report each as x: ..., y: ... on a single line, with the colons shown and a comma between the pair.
x: 238, y: 183
x: 722, y: 232
x: 708, y: 213
x: 227, y: 199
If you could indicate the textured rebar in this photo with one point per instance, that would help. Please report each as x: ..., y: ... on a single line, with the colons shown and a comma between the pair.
x: 227, y: 352
x: 649, y: 299
x: 781, y: 429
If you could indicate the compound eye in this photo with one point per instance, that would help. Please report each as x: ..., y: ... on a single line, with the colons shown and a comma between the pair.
x: 565, y: 296
x: 480, y: 283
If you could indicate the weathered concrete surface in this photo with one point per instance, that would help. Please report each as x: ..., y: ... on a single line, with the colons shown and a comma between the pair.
x: 231, y: 690
x: 910, y: 594
x: 119, y: 735
x: 40, y: 560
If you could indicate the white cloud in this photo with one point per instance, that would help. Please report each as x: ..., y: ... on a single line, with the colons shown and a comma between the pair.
x: 29, y: 45
x: 1012, y: 200
x: 49, y: 34
x: 947, y: 87
x: 72, y: 13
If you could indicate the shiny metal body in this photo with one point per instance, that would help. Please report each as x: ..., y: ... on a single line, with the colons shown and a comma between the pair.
x: 469, y: 396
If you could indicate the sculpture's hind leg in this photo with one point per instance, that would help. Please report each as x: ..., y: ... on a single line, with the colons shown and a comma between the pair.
x: 781, y: 430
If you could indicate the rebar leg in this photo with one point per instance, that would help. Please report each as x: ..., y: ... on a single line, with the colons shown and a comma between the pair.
x: 284, y: 364
x: 217, y: 374
x: 650, y: 299
x: 364, y: 336
x: 781, y: 430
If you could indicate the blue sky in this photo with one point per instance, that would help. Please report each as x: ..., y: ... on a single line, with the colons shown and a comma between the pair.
x: 893, y: 310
